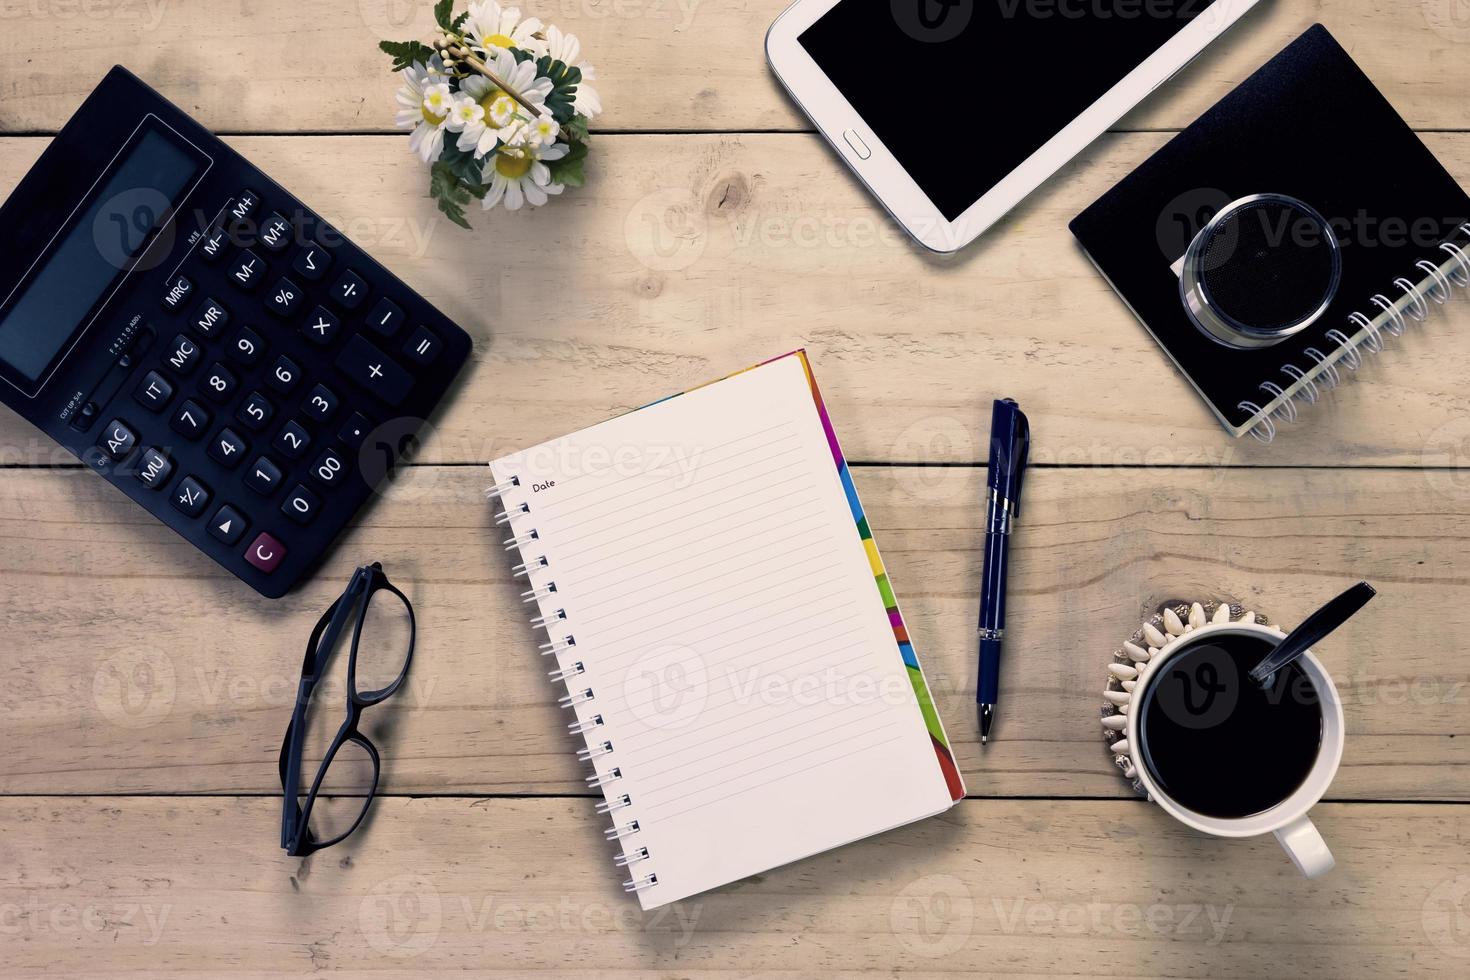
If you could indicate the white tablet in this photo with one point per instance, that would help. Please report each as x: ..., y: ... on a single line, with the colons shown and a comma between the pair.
x: 952, y: 111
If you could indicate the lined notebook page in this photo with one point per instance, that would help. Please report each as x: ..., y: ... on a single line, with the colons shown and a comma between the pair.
x: 729, y: 629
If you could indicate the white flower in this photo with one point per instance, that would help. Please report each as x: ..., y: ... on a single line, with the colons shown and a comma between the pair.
x: 519, y: 175
x: 541, y: 132
x: 567, y: 49
x: 415, y: 96
x: 502, y: 115
x: 493, y: 29
x: 466, y: 112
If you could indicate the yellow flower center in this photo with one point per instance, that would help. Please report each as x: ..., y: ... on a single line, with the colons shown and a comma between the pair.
x: 433, y: 118
x: 512, y: 168
x: 497, y: 41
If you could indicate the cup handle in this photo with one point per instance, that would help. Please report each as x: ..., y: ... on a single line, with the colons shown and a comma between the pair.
x: 1306, y: 848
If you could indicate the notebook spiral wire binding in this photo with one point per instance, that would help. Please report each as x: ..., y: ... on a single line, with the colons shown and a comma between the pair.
x: 595, y: 743
x: 1391, y: 316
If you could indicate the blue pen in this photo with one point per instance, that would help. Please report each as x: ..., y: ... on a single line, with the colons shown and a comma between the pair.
x: 1010, y: 444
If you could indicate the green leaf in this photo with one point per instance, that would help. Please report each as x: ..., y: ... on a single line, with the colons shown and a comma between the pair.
x: 564, y: 83
x: 459, y: 21
x: 461, y: 163
x: 445, y: 188
x: 405, y: 53
x: 442, y: 11
x: 568, y: 170
x: 576, y: 130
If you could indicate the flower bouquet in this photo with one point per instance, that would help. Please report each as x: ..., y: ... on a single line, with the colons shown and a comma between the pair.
x: 498, y: 106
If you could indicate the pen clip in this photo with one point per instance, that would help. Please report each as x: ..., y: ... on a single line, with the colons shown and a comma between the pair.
x: 1020, y: 456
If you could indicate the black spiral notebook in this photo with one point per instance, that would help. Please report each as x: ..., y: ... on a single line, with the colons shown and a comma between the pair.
x: 1312, y: 126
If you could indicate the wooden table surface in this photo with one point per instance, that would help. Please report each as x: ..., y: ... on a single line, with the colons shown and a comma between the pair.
x: 147, y: 691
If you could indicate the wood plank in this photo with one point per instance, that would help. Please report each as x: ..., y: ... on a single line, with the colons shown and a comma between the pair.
x: 279, y: 66
x: 524, y: 887
x: 691, y: 257
x: 136, y: 666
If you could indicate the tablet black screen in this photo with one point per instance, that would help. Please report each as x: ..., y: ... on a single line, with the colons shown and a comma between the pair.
x: 963, y: 91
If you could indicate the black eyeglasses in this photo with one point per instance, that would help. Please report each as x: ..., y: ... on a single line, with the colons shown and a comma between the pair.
x: 347, y: 778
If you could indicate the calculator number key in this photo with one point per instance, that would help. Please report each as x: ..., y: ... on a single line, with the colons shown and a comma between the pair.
x: 228, y: 448
x: 255, y: 414
x: 349, y: 290
x: 320, y: 404
x: 301, y: 505
x: 219, y: 383
x: 246, y: 348
x: 248, y: 269
x: 191, y: 497
x: 311, y: 262
x: 320, y: 327
x: 191, y: 420
x: 284, y: 376
x: 329, y: 469
x: 263, y: 477
x: 292, y: 440
x: 371, y: 368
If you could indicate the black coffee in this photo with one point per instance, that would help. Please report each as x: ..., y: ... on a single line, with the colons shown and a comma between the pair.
x: 1216, y: 741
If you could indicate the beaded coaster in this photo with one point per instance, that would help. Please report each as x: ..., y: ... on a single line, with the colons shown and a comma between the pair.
x: 1174, y: 619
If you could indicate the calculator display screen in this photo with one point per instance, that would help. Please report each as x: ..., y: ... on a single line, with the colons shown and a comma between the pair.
x: 104, y: 238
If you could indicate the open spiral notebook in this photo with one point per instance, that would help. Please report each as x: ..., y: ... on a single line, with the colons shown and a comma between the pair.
x: 724, y: 633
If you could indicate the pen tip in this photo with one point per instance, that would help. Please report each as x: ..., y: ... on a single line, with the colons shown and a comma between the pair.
x: 984, y: 739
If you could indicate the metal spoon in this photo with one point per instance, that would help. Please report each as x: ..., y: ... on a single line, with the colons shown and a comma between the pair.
x: 1314, y: 628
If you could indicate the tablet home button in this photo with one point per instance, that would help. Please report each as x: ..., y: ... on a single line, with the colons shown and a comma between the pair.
x: 858, y: 146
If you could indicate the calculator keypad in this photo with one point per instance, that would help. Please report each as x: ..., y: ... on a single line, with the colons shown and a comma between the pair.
x: 191, y: 420
x: 349, y: 290
x: 191, y: 497
x: 274, y: 358
x: 312, y: 262
x: 210, y: 318
x: 284, y: 298
x: 248, y: 270
x: 153, y: 392
x: 263, y: 477
x: 321, y: 327
x: 255, y: 412
x: 229, y: 448
x: 219, y: 383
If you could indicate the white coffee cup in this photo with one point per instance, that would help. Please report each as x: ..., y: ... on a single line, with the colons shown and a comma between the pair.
x: 1288, y: 819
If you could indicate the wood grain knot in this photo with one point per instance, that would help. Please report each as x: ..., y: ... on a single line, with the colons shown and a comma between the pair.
x: 730, y: 195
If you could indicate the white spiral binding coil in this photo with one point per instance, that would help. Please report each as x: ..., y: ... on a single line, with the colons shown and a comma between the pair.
x: 1309, y: 382
x: 504, y: 517
x: 561, y: 641
x: 614, y: 803
x: 526, y: 567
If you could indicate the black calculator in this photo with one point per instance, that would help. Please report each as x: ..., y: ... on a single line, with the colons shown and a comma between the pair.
x: 206, y: 342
